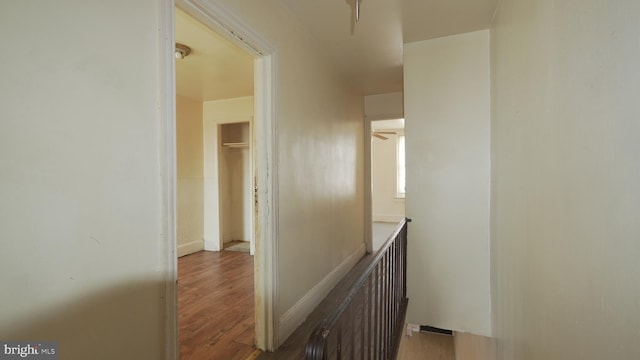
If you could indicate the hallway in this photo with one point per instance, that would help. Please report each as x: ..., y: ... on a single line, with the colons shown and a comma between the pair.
x: 216, y: 305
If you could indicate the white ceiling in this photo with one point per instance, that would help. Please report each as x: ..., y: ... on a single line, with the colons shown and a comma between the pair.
x: 369, y: 54
x: 216, y: 69
x: 372, y: 56
x: 428, y: 19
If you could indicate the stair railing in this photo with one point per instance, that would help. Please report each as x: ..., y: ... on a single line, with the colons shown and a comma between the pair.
x: 368, y: 323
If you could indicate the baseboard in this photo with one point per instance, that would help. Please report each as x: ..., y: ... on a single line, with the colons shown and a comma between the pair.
x: 291, y: 319
x: 190, y: 248
x: 210, y: 245
x: 387, y: 218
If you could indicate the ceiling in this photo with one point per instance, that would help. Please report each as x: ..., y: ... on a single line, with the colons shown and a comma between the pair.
x: 368, y: 53
x: 216, y: 69
x: 371, y: 57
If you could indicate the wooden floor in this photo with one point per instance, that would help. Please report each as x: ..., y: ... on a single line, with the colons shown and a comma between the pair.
x: 426, y: 346
x: 216, y: 306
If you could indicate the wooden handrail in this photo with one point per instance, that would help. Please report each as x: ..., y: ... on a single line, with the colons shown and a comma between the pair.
x: 368, y: 323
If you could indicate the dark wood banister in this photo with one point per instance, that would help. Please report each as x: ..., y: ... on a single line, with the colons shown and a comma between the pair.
x: 378, y: 300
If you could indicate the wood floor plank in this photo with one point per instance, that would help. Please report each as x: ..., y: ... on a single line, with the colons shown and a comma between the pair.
x: 426, y: 346
x: 216, y: 306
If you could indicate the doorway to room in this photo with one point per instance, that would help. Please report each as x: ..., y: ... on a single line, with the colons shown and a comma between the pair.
x: 387, y: 178
x: 215, y: 202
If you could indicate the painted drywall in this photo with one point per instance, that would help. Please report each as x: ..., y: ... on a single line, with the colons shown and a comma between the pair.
x: 216, y: 113
x: 83, y: 246
x: 447, y: 116
x: 384, y: 106
x: 386, y: 206
x: 319, y: 121
x: 190, y: 180
x: 566, y: 175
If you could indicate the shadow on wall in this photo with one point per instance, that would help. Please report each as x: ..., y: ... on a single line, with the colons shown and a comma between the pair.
x: 118, y: 323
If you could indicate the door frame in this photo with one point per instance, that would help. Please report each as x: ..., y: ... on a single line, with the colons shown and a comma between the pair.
x: 368, y: 175
x: 228, y: 25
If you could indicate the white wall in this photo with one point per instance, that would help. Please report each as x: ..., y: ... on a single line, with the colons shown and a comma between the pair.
x: 190, y: 181
x: 216, y: 113
x: 83, y: 254
x: 384, y: 106
x: 565, y: 194
x: 320, y: 158
x: 447, y: 96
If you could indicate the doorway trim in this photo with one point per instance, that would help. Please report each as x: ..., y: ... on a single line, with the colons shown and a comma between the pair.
x: 368, y: 174
x: 228, y: 25
x: 167, y: 160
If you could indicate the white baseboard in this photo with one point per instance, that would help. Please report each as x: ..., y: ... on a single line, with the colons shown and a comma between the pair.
x: 291, y: 319
x: 387, y: 218
x: 210, y: 245
x: 190, y: 248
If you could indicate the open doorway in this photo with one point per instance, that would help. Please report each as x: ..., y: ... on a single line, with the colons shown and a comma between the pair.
x: 214, y: 115
x: 387, y: 178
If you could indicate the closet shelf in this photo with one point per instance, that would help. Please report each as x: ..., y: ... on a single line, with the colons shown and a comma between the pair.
x: 236, y: 145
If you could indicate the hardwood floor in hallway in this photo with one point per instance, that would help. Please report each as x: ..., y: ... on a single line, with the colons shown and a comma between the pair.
x: 216, y: 306
x: 426, y: 346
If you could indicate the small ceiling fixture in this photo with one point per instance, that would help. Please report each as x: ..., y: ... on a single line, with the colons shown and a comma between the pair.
x: 355, y: 13
x: 182, y: 51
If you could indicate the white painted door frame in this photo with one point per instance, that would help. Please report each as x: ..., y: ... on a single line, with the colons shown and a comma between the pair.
x: 167, y: 159
x: 368, y: 188
x: 227, y: 24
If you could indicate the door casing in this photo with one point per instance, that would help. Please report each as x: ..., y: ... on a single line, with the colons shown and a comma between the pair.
x: 227, y: 24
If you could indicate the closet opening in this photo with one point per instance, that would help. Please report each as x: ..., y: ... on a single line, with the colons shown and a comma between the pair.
x: 236, y: 187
